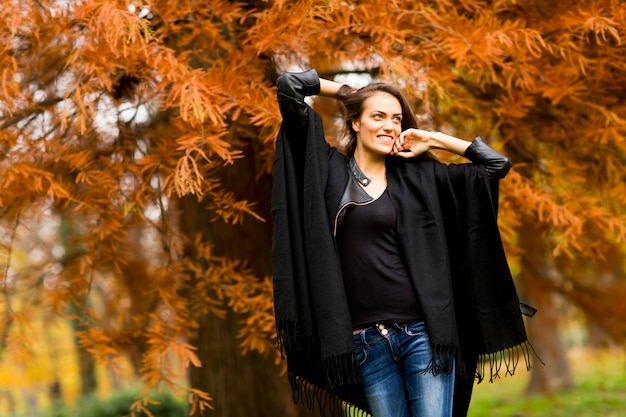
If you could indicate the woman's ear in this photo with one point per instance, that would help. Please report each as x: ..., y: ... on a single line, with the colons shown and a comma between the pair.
x: 355, y: 125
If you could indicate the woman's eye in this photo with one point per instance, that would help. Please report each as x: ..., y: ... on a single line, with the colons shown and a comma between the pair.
x: 397, y: 119
x: 378, y: 116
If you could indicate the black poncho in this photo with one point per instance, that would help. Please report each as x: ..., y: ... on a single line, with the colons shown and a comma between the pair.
x: 446, y: 224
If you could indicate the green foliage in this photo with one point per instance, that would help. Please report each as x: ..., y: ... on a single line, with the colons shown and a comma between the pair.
x: 598, y: 391
x: 119, y: 405
x: 577, y: 403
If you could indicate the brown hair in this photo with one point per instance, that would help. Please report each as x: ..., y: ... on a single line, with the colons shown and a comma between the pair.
x: 353, y: 104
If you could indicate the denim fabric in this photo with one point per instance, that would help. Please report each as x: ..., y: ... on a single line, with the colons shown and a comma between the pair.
x: 392, y: 358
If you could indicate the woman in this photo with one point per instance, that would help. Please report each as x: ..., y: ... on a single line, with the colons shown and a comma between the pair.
x: 389, y: 274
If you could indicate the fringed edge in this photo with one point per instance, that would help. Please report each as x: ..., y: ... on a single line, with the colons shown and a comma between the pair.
x: 330, y: 405
x: 509, y: 358
x: 286, y: 336
x: 341, y: 370
x: 445, y: 359
x: 339, y: 374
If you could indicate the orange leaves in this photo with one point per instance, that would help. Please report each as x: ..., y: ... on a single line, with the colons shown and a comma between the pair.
x: 231, y: 210
x: 595, y: 20
x: 9, y: 86
x: 161, y: 342
x: 229, y: 283
x: 257, y: 331
x: 483, y: 43
x: 547, y: 82
x: 187, y: 178
x: 200, y: 402
x: 561, y: 87
x: 603, y: 29
x: 159, y: 368
x: 140, y: 407
x: 186, y: 353
x: 523, y: 197
x: 197, y: 100
x: 514, y: 106
x: 15, y: 328
x: 191, y: 168
x: 277, y: 25
x: 569, y: 216
x: 100, y: 345
x: 34, y: 181
x: 263, y: 109
x: 116, y: 25
x: 540, y: 202
x: 14, y: 21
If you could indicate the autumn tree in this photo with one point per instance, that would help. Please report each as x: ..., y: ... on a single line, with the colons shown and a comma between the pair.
x: 121, y: 118
x: 151, y: 127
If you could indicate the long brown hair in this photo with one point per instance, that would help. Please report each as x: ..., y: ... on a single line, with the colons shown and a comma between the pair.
x: 353, y: 104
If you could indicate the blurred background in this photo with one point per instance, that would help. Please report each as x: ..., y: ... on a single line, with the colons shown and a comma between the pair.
x: 136, y: 153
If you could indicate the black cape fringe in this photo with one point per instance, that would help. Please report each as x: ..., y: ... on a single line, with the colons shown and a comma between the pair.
x: 480, y: 322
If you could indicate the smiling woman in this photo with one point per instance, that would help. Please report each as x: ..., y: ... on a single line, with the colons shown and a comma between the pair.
x: 373, y: 256
x: 378, y: 126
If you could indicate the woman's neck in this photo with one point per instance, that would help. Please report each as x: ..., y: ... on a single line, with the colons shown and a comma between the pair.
x: 372, y: 166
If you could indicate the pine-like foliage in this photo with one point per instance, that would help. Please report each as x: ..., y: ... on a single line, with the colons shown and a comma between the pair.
x: 112, y: 110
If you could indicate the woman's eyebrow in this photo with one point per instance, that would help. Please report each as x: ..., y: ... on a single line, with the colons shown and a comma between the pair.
x: 384, y: 112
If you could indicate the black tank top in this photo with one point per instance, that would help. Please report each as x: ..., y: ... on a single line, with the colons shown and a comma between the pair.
x: 376, y: 280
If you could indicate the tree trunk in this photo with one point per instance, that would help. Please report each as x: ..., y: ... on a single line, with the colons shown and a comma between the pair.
x: 69, y: 231
x: 86, y: 363
x: 598, y: 337
x: 537, y: 271
x: 240, y: 385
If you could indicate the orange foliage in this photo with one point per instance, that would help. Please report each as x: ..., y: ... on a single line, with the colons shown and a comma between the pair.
x: 109, y: 110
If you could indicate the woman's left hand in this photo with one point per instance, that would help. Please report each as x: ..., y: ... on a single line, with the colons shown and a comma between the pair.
x: 411, y: 143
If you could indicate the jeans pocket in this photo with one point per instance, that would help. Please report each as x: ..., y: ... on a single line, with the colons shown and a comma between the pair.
x: 361, y: 355
x: 362, y: 350
x: 415, y: 329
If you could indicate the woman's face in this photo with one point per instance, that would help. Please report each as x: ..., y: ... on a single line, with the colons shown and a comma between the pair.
x: 379, y: 125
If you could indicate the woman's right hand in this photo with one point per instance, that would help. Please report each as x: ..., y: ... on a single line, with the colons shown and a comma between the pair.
x: 412, y: 142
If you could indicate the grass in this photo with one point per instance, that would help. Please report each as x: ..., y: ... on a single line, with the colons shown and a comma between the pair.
x: 600, y: 390
x: 599, y: 376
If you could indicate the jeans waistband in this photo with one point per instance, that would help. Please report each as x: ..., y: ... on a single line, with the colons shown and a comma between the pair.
x: 384, y: 327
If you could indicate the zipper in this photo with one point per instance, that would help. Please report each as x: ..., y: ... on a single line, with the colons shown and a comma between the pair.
x: 349, y: 203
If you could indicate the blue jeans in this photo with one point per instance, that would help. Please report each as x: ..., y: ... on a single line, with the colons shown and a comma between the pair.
x: 392, y: 359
